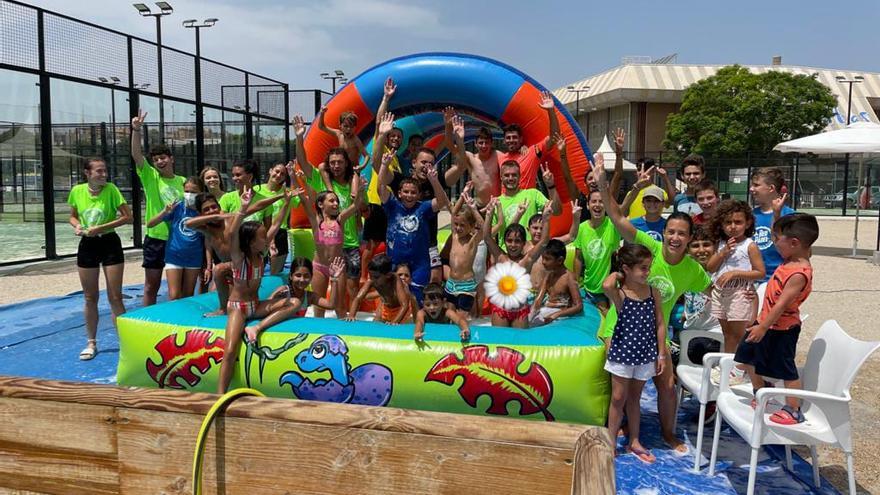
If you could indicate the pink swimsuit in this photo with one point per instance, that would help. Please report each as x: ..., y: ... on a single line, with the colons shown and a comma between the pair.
x: 327, y: 236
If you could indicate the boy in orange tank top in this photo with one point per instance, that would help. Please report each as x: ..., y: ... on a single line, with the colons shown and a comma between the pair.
x: 768, y: 348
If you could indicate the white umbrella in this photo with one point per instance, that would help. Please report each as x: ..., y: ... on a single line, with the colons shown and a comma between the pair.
x: 860, y: 137
x: 609, y: 155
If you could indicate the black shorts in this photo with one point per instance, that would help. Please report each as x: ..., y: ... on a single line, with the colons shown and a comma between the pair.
x: 281, y: 243
x: 773, y: 356
x: 376, y: 224
x: 154, y: 253
x: 464, y: 302
x: 99, y: 250
x: 352, y: 262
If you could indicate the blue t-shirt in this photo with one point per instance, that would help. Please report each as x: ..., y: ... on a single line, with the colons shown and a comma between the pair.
x: 409, y: 234
x: 186, y: 246
x: 764, y: 239
x: 653, y: 229
x: 688, y: 204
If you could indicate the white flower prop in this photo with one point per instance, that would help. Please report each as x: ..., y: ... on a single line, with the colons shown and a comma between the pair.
x: 507, y: 285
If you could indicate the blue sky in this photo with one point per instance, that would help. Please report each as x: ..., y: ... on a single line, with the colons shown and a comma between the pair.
x: 556, y: 42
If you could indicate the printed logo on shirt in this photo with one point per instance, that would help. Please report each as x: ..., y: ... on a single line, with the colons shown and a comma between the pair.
x: 763, y: 237
x: 169, y: 194
x: 186, y: 231
x: 92, y: 216
x: 657, y: 236
x: 664, y: 285
x: 409, y: 224
x: 596, y: 249
x: 690, y: 208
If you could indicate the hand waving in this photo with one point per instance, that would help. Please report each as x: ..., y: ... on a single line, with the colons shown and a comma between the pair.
x: 547, y: 102
x: 458, y: 126
x: 386, y: 123
x: 547, y: 175
x: 137, y: 122
x: 299, y: 126
x: 337, y: 266
x: 619, y: 140
x: 389, y: 88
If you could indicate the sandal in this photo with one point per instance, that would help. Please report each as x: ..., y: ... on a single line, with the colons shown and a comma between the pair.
x: 90, y: 350
x: 643, y: 455
x: 788, y: 416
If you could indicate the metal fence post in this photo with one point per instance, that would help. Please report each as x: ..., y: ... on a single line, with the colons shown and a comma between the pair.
x: 287, y: 123
x: 845, y: 183
x: 133, y: 107
x: 248, y: 120
x: 48, y: 173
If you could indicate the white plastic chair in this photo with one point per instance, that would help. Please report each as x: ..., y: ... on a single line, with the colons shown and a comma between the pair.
x: 833, y: 361
x: 696, y: 379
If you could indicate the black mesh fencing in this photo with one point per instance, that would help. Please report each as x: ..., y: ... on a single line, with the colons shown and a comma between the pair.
x: 19, y: 44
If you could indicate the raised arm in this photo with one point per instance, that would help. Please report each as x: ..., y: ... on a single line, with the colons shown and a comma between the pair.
x: 667, y: 184
x: 461, y: 161
x: 387, y: 93
x: 260, y: 205
x: 299, y: 129
x: 621, y: 223
x: 156, y: 220
x: 137, y: 153
x: 570, y: 184
x: 200, y: 221
x: 619, y: 140
x: 488, y: 234
x: 645, y: 179
x: 233, y: 226
x: 384, y: 126
x: 549, y: 181
x: 323, y: 126
x: 282, y: 212
x: 358, y: 188
x: 549, y: 106
x: 456, y: 207
x: 384, y: 178
x: 575, y: 223
x: 440, y: 198
x: 609, y: 287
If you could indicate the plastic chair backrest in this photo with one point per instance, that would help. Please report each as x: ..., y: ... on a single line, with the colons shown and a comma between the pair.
x: 834, y: 360
x: 761, y: 290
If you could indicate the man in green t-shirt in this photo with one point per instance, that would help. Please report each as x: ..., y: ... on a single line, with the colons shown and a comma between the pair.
x: 512, y: 196
x: 161, y: 188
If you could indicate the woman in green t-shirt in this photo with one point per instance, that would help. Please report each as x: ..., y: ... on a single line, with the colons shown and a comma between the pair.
x: 673, y: 272
x: 96, y: 209
x: 275, y: 186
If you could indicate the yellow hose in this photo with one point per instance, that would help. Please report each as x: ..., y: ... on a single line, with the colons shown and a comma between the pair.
x: 206, y: 425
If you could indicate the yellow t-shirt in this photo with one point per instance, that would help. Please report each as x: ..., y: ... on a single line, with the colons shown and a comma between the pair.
x: 373, y: 187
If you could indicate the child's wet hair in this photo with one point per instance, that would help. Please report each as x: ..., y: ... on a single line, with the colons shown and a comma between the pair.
x: 467, y: 215
x: 629, y: 255
x: 725, y: 209
x: 194, y: 180
x: 247, y: 232
x: 555, y: 248
x: 516, y: 229
x: 202, y: 198
x: 535, y: 219
x: 300, y: 262
x: 433, y: 292
x: 707, y: 185
x: 701, y: 233
x: 801, y: 226
x: 348, y: 118
x: 381, y: 263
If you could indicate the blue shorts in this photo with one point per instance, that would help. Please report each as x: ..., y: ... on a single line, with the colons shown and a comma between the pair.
x: 461, y: 293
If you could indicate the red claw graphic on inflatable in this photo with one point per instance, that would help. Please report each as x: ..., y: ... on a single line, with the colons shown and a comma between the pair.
x: 498, y: 377
x: 178, y: 361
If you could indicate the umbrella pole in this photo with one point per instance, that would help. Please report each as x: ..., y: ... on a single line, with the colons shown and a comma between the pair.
x: 858, y: 204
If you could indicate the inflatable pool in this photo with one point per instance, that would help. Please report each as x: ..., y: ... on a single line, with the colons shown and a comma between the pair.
x: 551, y: 373
x: 484, y: 90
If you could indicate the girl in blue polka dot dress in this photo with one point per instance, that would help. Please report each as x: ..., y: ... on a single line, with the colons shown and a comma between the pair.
x: 638, y: 346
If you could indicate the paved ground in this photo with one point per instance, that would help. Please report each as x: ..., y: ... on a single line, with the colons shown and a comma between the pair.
x: 845, y: 289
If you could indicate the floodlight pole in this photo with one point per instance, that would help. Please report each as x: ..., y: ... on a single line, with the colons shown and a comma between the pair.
x: 164, y: 9
x: 200, y: 109
x: 577, y: 101
x: 850, y: 82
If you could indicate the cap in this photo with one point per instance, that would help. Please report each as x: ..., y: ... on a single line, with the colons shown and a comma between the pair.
x: 653, y: 192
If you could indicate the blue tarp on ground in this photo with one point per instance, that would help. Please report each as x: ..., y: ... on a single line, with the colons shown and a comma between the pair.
x: 42, y: 339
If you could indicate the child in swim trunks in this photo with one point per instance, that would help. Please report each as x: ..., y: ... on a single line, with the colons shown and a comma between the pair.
x: 461, y: 286
x: 396, y: 303
x: 438, y: 310
x: 347, y: 138
x: 538, y: 271
x: 563, y: 297
x: 515, y: 240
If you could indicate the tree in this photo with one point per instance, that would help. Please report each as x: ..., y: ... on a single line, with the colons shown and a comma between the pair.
x: 736, y: 111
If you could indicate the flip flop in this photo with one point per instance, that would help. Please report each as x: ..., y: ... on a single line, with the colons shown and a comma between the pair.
x: 787, y: 416
x: 90, y: 351
x: 642, y: 454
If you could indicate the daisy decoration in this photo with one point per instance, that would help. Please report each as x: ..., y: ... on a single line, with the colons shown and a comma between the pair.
x: 507, y: 285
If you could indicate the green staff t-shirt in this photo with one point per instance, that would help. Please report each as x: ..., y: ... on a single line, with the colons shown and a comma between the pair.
x: 95, y: 210
x: 670, y: 280
x: 231, y: 203
x: 276, y: 206
x: 596, y: 246
x: 159, y: 192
